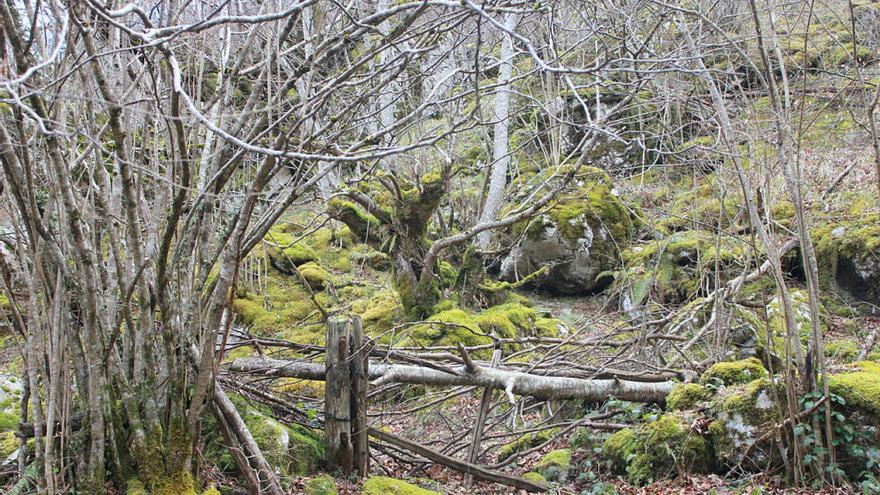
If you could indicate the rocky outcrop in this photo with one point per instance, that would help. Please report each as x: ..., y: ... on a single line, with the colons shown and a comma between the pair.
x: 579, y: 239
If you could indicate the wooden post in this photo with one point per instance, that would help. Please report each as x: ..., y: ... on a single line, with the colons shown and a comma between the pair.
x: 360, y: 361
x: 485, y: 402
x: 337, y: 398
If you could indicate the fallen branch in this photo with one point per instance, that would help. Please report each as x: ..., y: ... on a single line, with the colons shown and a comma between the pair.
x: 458, y: 465
x: 512, y: 382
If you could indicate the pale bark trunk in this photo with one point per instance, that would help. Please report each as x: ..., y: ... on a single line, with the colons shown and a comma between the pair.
x: 512, y: 382
x: 500, y: 153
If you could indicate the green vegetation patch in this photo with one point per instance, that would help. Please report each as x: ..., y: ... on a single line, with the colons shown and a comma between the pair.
x: 734, y: 372
x: 383, y: 485
x: 687, y: 396
x: 860, y: 388
x: 655, y: 450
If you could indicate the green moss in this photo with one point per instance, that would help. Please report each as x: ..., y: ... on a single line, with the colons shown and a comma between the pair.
x: 252, y: 313
x: 735, y: 372
x: 315, y: 275
x: 212, y: 490
x: 536, y: 477
x: 525, y: 442
x: 686, y: 396
x: 177, y: 484
x: 321, y: 485
x: 364, y: 255
x: 295, y: 450
x: 842, y: 350
x: 619, y: 446
x: 449, y: 328
x: 548, y: 327
x: 382, y: 485
x: 8, y: 444
x: 135, y: 487
x: 8, y: 421
x: 658, y: 449
x: 743, y: 414
x: 672, y: 269
x: 289, y: 305
x: 844, y: 54
x: 860, y: 388
x: 555, y: 465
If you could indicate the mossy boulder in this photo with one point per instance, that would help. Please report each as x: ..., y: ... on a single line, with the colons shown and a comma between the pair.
x: 800, y: 305
x: 525, y: 442
x: 284, y: 305
x: 287, y: 259
x: 536, y: 477
x: 579, y: 237
x: 675, y: 268
x: 383, y: 485
x: 743, y: 414
x: 315, y: 275
x: 294, y: 450
x: 321, y: 485
x: 686, y: 396
x: 555, y: 465
x: 449, y: 327
x: 658, y: 449
x: 860, y: 388
x: 366, y: 256
x: 848, y: 248
x: 734, y: 372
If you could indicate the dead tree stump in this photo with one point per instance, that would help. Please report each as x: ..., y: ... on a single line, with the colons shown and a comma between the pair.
x: 337, y: 398
x: 360, y: 361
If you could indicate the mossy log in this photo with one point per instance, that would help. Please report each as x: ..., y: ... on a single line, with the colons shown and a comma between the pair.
x: 512, y: 382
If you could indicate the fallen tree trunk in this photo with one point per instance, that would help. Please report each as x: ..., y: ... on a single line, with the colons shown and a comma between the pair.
x: 457, y: 464
x: 512, y: 382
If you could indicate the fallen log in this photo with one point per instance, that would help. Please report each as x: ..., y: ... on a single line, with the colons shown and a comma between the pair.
x: 457, y: 464
x: 512, y: 382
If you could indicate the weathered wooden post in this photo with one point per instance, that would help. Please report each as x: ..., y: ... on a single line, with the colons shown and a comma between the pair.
x: 485, y: 402
x: 360, y: 361
x: 337, y: 398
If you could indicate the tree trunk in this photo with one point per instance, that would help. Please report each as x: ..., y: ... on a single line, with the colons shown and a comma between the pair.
x: 500, y: 153
x: 512, y: 382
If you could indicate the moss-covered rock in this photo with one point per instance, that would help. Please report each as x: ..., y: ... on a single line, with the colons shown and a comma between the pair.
x: 734, y: 372
x: 294, y: 450
x: 848, y: 248
x: 800, y: 305
x: 687, y: 396
x: 674, y: 269
x: 286, y: 251
x: 321, y: 485
x: 658, y: 449
x: 579, y: 237
x: 525, y: 442
x: 619, y: 446
x: 365, y: 255
x: 449, y: 328
x: 315, y: 275
x: 743, y: 414
x: 382, y: 485
x: 555, y: 465
x: 536, y: 477
x: 860, y: 388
